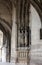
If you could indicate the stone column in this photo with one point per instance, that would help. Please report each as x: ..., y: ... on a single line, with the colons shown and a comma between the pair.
x: 14, y: 36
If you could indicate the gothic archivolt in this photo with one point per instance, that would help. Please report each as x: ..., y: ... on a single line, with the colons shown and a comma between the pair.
x: 21, y: 7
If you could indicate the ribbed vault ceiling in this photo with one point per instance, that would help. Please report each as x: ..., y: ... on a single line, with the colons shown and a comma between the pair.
x: 22, y: 7
x: 5, y: 14
x: 36, y: 3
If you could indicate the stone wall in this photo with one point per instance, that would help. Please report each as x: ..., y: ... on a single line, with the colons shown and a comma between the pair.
x: 36, y: 43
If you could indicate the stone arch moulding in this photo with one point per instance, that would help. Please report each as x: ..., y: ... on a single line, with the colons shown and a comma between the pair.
x: 5, y: 24
x: 3, y: 29
x: 37, y: 8
x: 35, y: 5
x: 39, y: 11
